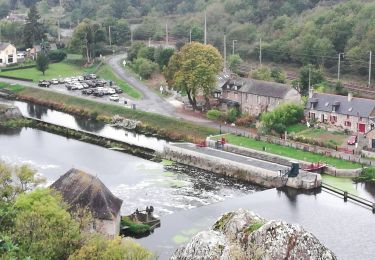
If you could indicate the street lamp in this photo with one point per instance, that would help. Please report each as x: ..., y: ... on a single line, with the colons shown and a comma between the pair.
x: 234, y: 41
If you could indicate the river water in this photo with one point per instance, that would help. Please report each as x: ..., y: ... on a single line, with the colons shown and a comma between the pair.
x: 188, y: 200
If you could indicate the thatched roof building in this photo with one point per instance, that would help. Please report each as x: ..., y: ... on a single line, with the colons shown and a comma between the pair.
x: 82, y: 190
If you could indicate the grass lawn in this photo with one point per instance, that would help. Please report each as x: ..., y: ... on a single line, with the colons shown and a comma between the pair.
x: 106, y: 73
x: 296, y: 128
x: 166, y: 126
x: 55, y: 70
x: 290, y: 152
x: 13, y: 88
x: 324, y: 136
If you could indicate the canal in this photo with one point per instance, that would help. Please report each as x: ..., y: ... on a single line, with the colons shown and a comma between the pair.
x: 188, y: 200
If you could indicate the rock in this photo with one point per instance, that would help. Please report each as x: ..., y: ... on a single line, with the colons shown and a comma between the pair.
x: 244, y: 235
x: 9, y: 112
x: 125, y: 123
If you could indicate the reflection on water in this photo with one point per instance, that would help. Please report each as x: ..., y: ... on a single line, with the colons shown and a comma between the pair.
x: 138, y: 182
x: 9, y: 131
x: 75, y: 122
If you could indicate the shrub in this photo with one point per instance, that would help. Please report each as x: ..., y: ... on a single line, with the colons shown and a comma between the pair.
x: 245, y: 120
x: 368, y: 175
x: 232, y: 115
x: 213, y: 114
x: 57, y: 55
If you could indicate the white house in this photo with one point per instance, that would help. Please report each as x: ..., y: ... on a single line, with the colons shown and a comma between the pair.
x: 8, y: 54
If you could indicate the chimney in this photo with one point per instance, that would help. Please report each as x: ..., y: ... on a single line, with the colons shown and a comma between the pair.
x: 350, y: 96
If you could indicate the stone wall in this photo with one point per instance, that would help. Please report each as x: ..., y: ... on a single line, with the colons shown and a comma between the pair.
x: 257, y: 175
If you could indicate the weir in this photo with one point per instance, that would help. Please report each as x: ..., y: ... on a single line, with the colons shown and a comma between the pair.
x: 245, y: 168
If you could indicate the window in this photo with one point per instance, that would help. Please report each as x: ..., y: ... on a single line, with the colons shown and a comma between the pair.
x: 347, y: 116
x: 348, y: 123
x: 333, y: 119
x: 1, y: 60
x: 10, y: 58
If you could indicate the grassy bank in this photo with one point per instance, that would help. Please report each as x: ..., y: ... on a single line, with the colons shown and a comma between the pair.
x: 106, y: 73
x: 290, y: 152
x: 163, y: 126
x: 368, y: 175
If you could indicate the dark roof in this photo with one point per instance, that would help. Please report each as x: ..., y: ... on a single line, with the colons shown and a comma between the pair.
x: 361, y: 107
x: 260, y: 88
x: 80, y: 189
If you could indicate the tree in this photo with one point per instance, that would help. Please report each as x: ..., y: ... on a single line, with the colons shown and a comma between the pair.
x: 87, y: 37
x: 43, y: 228
x: 134, y: 49
x: 194, y: 69
x: 234, y: 62
x: 33, y: 30
x: 42, y: 62
x: 281, y: 117
x: 263, y: 73
x: 278, y: 75
x: 162, y: 56
x: 144, y: 67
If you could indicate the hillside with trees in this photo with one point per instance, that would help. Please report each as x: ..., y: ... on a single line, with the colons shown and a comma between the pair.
x: 297, y: 32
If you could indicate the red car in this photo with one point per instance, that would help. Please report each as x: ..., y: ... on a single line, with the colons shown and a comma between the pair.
x: 352, y: 140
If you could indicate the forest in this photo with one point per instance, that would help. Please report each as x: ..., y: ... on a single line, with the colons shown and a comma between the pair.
x: 293, y: 31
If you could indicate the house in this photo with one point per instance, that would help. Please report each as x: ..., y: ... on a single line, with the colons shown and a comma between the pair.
x: 82, y: 190
x: 8, y: 54
x: 255, y: 96
x: 345, y: 112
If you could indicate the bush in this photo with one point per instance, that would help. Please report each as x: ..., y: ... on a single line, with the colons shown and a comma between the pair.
x: 368, y: 175
x: 213, y: 114
x: 232, y: 115
x: 245, y: 120
x: 145, y: 68
x: 57, y: 56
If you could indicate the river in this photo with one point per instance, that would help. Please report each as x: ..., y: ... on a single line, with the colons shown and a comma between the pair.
x: 188, y: 200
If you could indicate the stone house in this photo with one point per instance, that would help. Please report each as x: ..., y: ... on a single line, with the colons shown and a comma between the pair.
x: 81, y: 190
x: 255, y: 96
x: 345, y: 112
x: 8, y: 54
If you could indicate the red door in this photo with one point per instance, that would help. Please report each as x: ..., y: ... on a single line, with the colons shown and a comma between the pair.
x: 362, y: 128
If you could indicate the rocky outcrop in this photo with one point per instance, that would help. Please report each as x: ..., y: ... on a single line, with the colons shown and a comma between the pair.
x: 245, y: 235
x: 125, y: 123
x: 9, y: 112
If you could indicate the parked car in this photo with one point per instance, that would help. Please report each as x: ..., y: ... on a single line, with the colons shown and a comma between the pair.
x: 44, y: 84
x: 352, y: 140
x: 98, y: 92
x: 85, y: 85
x: 87, y: 91
x: 80, y: 78
x: 111, y: 91
x: 114, y: 97
x: 54, y: 81
x: 93, y: 76
x: 118, y: 89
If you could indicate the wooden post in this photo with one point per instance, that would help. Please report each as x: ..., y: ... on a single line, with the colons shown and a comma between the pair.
x: 345, y: 196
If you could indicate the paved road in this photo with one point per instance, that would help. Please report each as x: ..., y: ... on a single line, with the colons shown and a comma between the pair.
x: 151, y: 101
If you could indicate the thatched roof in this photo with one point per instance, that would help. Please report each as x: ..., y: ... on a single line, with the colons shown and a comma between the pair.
x: 80, y: 189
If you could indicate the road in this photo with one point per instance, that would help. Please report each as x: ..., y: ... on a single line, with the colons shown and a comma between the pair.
x: 150, y: 102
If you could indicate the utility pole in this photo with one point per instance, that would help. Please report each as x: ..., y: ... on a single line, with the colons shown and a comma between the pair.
x: 369, y: 70
x: 233, y: 46
x: 109, y: 36
x: 166, y: 35
x: 225, y: 52
x: 131, y: 35
x: 205, y: 27
x: 190, y: 36
x: 309, y: 79
x: 338, y: 66
x: 260, y: 52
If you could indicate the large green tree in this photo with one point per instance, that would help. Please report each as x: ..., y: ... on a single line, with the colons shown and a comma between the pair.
x: 194, y: 69
x: 33, y: 31
x: 87, y: 37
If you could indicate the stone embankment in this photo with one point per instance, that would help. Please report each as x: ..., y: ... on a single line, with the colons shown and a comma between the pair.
x: 244, y: 235
x: 267, y: 174
x: 9, y: 112
x: 282, y: 160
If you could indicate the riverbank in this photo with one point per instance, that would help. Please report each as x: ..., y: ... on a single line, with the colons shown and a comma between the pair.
x: 169, y: 128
